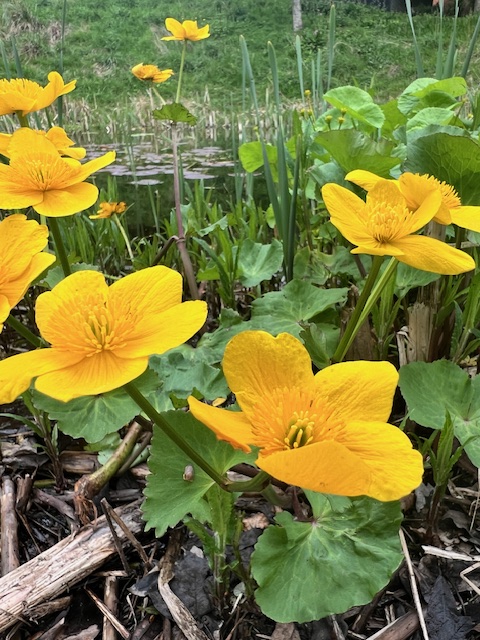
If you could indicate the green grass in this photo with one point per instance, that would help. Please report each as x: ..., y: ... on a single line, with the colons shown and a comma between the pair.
x: 104, y: 40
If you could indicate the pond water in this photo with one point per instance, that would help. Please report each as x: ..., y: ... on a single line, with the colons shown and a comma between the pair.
x: 143, y: 172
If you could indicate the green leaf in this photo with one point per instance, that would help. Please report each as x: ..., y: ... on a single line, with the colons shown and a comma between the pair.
x: 56, y: 275
x: 251, y: 156
x: 300, y: 567
x: 175, y: 112
x: 428, y: 92
x: 431, y: 115
x: 258, y: 262
x: 431, y: 389
x: 168, y: 496
x: 357, y: 103
x: 353, y: 149
x: 94, y: 417
x: 408, y: 278
x: 297, y: 303
x: 449, y: 155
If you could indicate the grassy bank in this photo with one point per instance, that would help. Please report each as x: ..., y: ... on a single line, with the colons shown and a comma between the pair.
x: 104, y: 40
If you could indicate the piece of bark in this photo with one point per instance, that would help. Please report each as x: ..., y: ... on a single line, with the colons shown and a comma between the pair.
x: 110, y: 598
x: 285, y: 631
x: 9, y: 538
x: 400, y: 629
x: 57, y: 569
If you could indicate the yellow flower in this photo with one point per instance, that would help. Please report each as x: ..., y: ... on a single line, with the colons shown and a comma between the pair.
x: 415, y: 189
x: 151, y: 72
x: 101, y: 337
x: 38, y: 177
x: 21, y: 259
x: 26, y: 96
x: 186, y: 30
x: 107, y: 209
x: 57, y: 137
x: 325, y: 432
x: 384, y: 225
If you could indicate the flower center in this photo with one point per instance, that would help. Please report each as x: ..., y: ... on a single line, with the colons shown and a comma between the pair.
x: 449, y: 194
x: 44, y: 171
x: 386, y: 222
x: 293, y: 418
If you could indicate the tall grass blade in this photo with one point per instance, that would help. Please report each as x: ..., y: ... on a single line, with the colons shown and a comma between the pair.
x: 416, y: 48
x: 298, y: 49
x: 452, y: 49
x: 16, y: 58
x: 471, y: 47
x: 439, y: 65
x: 331, y: 44
x: 60, y: 62
x: 249, y: 73
x: 276, y: 85
x: 6, y: 64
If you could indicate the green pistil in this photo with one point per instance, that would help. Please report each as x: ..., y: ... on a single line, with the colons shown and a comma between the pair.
x: 300, y: 431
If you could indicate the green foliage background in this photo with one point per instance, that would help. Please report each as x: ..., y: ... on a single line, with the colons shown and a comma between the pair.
x: 104, y: 40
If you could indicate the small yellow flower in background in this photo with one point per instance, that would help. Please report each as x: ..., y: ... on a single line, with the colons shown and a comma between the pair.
x: 39, y: 177
x: 416, y: 187
x: 26, y: 96
x: 101, y: 337
x: 385, y: 226
x: 151, y: 73
x: 21, y: 259
x: 107, y: 209
x: 325, y: 432
x: 56, y: 135
x: 186, y: 30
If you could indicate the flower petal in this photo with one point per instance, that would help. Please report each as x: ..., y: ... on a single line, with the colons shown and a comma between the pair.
x: 67, y: 201
x: 416, y: 188
x: 232, y: 426
x: 364, y: 179
x: 467, y: 217
x: 15, y: 289
x: 17, y: 372
x: 347, y: 213
x: 255, y: 363
x: 169, y: 329
x: 376, y: 460
x: 358, y: 390
x: 433, y: 255
x: 100, y: 373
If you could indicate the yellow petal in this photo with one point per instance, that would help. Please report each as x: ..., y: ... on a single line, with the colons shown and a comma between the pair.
x: 17, y: 372
x: 256, y: 363
x: 364, y: 179
x: 67, y: 201
x: 395, y: 466
x: 231, y: 426
x: 358, y: 390
x: 175, y: 28
x: 467, y: 217
x: 5, y: 307
x: 57, y: 311
x: 100, y: 373
x: 15, y: 289
x: 347, y: 213
x: 87, y: 168
x: 167, y: 330
x: 433, y: 255
x: 416, y: 189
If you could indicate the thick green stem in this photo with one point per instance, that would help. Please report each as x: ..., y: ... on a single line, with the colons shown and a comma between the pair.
x: 180, y: 73
x: 259, y: 483
x: 23, y: 120
x: 181, y: 242
x: 167, y: 428
x: 59, y: 246
x: 25, y: 332
x: 354, y: 323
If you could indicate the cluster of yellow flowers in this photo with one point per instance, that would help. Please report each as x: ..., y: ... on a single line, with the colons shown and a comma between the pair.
x: 326, y: 432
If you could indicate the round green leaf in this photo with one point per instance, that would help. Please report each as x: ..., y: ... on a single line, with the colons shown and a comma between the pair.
x: 308, y: 570
x: 357, y: 103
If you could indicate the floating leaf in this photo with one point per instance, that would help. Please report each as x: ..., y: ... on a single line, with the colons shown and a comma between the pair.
x: 168, y: 496
x: 175, y: 112
x: 300, y: 567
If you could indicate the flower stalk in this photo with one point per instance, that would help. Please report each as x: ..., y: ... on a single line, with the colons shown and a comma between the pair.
x: 25, y: 332
x: 180, y: 73
x: 121, y: 228
x: 59, y: 246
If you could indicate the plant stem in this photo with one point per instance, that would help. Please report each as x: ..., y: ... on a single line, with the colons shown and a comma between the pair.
x: 167, y: 428
x: 180, y: 73
x: 59, y: 246
x: 354, y: 324
x: 23, y: 120
x: 25, y: 332
x: 181, y: 242
x: 116, y: 220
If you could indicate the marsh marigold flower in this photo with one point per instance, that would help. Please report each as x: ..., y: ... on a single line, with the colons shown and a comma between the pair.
x: 101, y: 337
x: 186, y: 30
x: 325, y: 432
x: 415, y: 188
x: 57, y: 137
x: 151, y: 73
x: 107, y: 209
x: 21, y: 259
x: 39, y: 177
x: 26, y: 96
x: 384, y: 225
